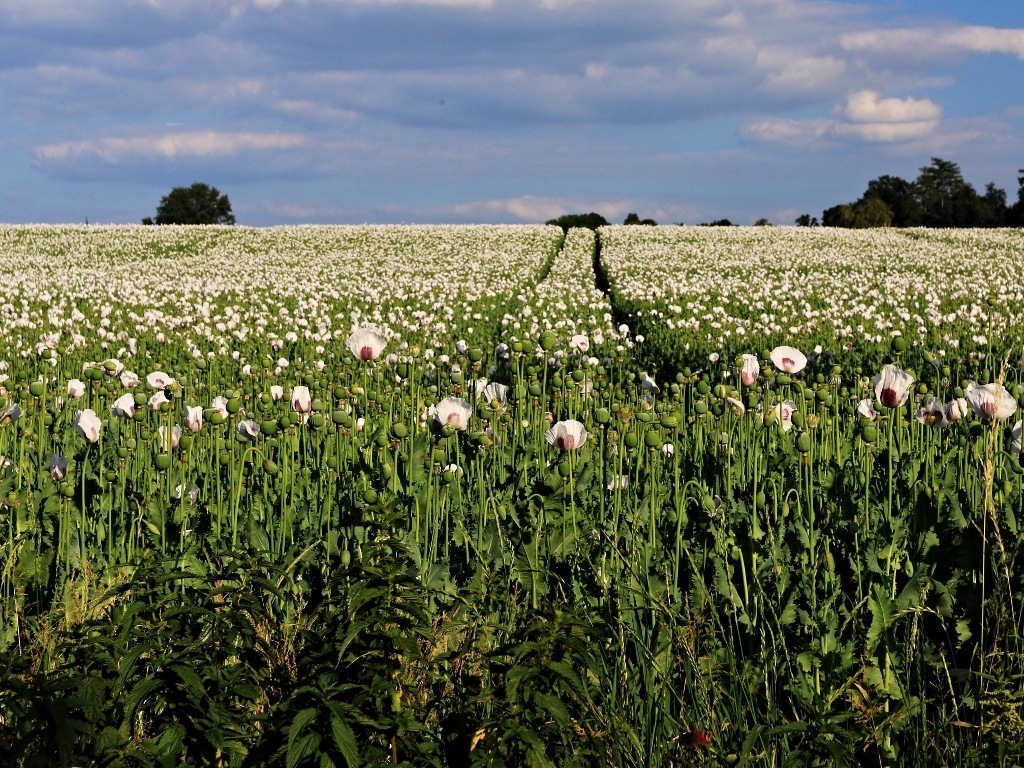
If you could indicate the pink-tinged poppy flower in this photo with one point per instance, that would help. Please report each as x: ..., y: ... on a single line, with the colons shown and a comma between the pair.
x: 170, y: 438
x: 58, y: 467
x: 248, y: 429
x: 933, y: 413
x: 124, y: 406
x: 277, y: 391
x: 750, y: 369
x: 495, y: 395
x: 992, y: 401
x: 892, y: 386
x: 452, y: 412
x: 301, y: 400
x: 736, y: 406
x: 220, y: 405
x: 76, y: 388
x: 88, y: 425
x: 112, y: 367
x: 129, y: 379
x: 788, y: 359
x: 159, y: 380
x: 159, y: 398
x: 866, y: 409
x: 784, y: 413
x: 580, y: 343
x: 366, y: 343
x: 194, y: 417
x: 956, y: 409
x: 567, y: 435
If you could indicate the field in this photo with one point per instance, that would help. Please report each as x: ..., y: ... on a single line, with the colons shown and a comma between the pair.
x: 488, y: 496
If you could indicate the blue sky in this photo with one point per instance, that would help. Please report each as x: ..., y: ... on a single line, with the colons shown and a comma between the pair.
x: 352, y: 111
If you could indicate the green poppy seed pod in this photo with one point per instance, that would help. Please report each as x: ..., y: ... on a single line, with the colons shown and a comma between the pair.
x: 803, y: 442
x: 798, y: 420
x: 602, y: 416
x: 200, y: 363
x: 67, y: 490
x: 898, y: 344
x: 338, y: 417
x: 821, y: 395
x: 869, y: 433
x: 578, y: 376
x: 110, y: 475
x: 631, y: 440
x: 547, y: 341
x: 36, y: 389
x: 921, y: 387
x: 370, y: 496
x: 475, y: 355
x: 318, y: 405
x: 163, y: 461
x: 652, y: 439
x: 447, y: 477
x: 783, y: 378
x: 517, y: 346
x: 269, y: 467
x: 399, y: 430
x: 683, y: 376
x: 674, y: 389
x: 564, y: 469
x: 332, y: 462
x: 535, y: 390
x: 759, y: 500
x: 700, y: 407
x: 720, y: 391
x: 317, y: 420
x: 808, y: 393
x: 140, y: 399
x: 703, y: 387
x: 234, y: 405
x: 438, y: 456
x: 457, y: 378
x: 224, y: 458
x: 557, y: 380
x: 185, y: 442
x: 669, y: 421
x: 268, y: 427
x: 380, y: 438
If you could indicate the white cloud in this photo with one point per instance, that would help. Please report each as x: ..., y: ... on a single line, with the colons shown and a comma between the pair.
x: 167, y: 146
x: 923, y: 41
x: 865, y: 116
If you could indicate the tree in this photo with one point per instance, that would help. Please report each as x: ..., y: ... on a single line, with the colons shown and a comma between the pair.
x: 900, y: 196
x: 198, y: 204
x: 588, y: 220
x: 632, y: 218
x: 871, y: 212
x: 806, y: 220
x: 762, y: 223
x: 946, y: 199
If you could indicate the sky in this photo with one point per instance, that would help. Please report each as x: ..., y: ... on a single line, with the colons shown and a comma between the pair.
x: 498, y: 111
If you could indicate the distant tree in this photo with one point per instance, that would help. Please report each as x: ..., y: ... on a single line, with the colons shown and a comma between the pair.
x: 762, y: 223
x: 871, y: 212
x: 899, y: 195
x: 806, y: 220
x: 198, y: 204
x: 946, y: 200
x: 994, y: 210
x: 632, y: 218
x: 587, y: 220
x: 717, y: 223
x: 838, y: 216
x: 1015, y: 214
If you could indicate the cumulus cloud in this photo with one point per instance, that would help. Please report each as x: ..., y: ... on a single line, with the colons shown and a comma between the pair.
x: 865, y: 116
x: 922, y: 41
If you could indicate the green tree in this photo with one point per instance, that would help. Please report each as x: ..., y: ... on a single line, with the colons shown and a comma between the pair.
x: 871, y: 212
x: 633, y: 218
x: 589, y: 220
x: 838, y: 216
x: 946, y: 200
x: 806, y: 220
x: 899, y: 195
x: 198, y: 204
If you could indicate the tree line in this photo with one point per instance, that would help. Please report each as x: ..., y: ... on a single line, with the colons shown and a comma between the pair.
x: 938, y: 197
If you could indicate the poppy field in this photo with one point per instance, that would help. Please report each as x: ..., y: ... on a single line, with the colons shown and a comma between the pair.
x: 508, y: 495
